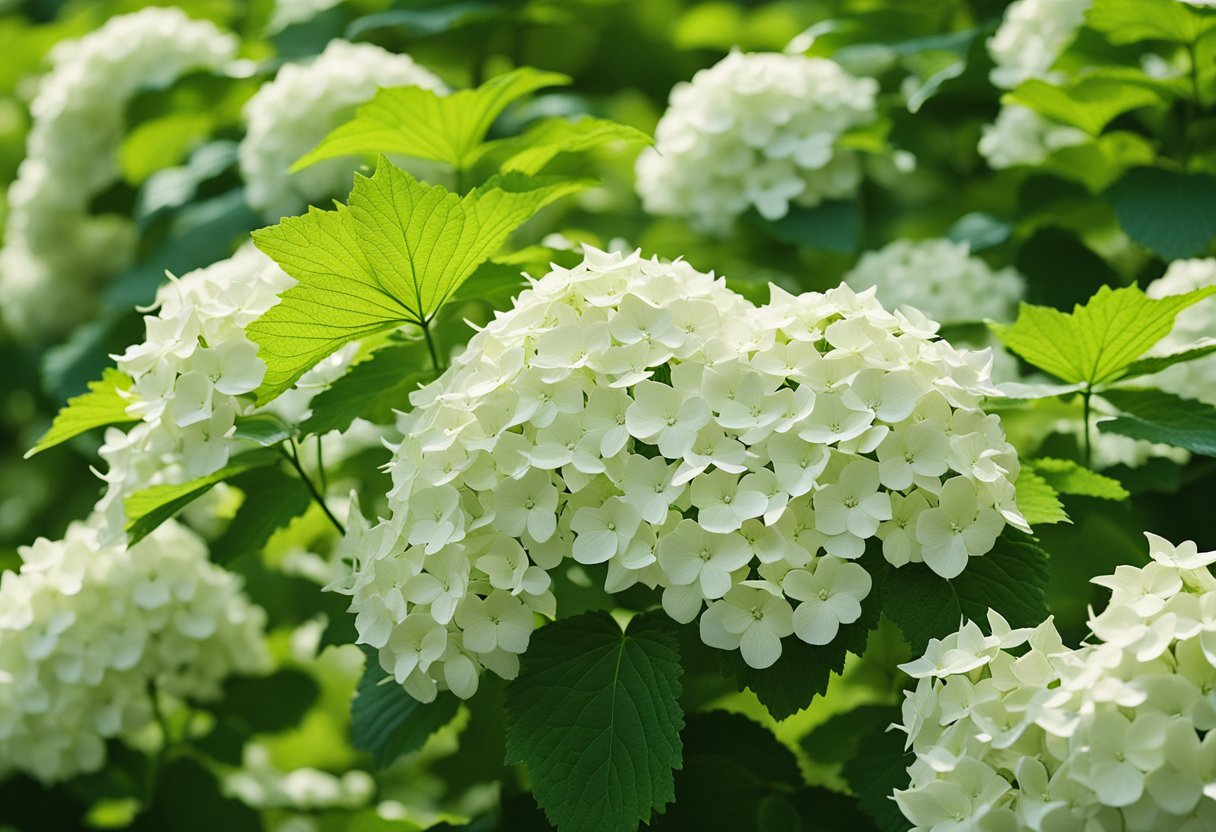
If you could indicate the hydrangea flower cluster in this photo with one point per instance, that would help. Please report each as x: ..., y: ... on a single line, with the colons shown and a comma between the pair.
x: 1020, y: 136
x: 290, y: 116
x: 290, y: 12
x: 191, y: 376
x: 1017, y: 731
x: 87, y: 629
x: 1032, y: 37
x: 640, y: 415
x: 940, y: 278
x: 1192, y: 379
x: 755, y: 131
x: 53, y: 247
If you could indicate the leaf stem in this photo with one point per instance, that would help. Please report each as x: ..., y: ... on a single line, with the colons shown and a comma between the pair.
x: 321, y: 467
x: 158, y: 757
x: 430, y: 346
x: 293, y: 457
x: 1088, y: 446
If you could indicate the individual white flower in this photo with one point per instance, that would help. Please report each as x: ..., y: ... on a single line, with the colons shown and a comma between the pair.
x: 86, y: 629
x: 53, y: 246
x: 1190, y: 379
x: 289, y: 116
x: 1106, y: 736
x: 957, y: 529
x: 941, y: 278
x: 1020, y: 136
x: 1031, y: 38
x: 708, y: 466
x: 755, y: 131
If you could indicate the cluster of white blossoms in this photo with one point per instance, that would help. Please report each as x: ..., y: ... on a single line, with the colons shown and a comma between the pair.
x: 1191, y: 379
x: 87, y: 631
x: 53, y: 247
x: 192, y: 376
x: 941, y: 278
x: 755, y: 131
x: 290, y: 12
x: 640, y: 415
x: 1027, y: 44
x: 1017, y: 731
x: 290, y: 116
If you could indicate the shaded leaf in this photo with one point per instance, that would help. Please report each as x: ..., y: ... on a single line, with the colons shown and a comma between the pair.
x: 388, y: 722
x: 1173, y: 214
x: 1156, y: 363
x: 833, y: 225
x: 1157, y: 416
x: 880, y: 767
x: 372, y: 389
x: 273, y: 499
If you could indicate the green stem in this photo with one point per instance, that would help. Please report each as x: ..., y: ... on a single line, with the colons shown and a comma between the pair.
x: 158, y: 757
x: 321, y: 467
x: 458, y: 174
x: 294, y: 458
x: 1088, y: 447
x: 430, y: 346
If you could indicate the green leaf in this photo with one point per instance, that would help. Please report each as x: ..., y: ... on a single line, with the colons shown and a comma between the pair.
x: 267, y: 704
x: 273, y: 499
x: 979, y: 231
x: 426, y: 21
x: 265, y: 429
x: 148, y: 508
x: 189, y: 799
x: 372, y: 389
x: 162, y: 142
x: 1089, y: 103
x: 1037, y: 500
x: 880, y: 767
x: 1156, y: 416
x: 390, y: 258
x: 415, y: 122
x: 1011, y: 579
x: 731, y: 765
x: 1171, y: 213
x: 836, y: 739
x: 833, y: 225
x: 388, y: 722
x: 1131, y: 21
x: 103, y: 405
x: 551, y: 137
x: 1097, y: 342
x: 595, y: 716
x: 1068, y: 477
x: 1156, y: 363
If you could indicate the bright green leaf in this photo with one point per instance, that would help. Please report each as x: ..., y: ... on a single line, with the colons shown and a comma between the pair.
x: 1171, y: 213
x: 1037, y: 500
x: 148, y: 508
x: 371, y: 389
x: 595, y: 716
x: 162, y: 142
x: 1068, y: 477
x: 1156, y: 363
x: 390, y: 258
x: 1089, y: 103
x: 1131, y: 21
x: 273, y: 498
x: 1156, y: 416
x: 415, y: 122
x: 1097, y: 342
x: 103, y: 405
x: 388, y: 722
x: 539, y: 145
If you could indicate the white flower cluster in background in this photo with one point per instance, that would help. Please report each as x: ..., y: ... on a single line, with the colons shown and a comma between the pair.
x: 258, y: 783
x: 290, y: 116
x: 290, y: 12
x: 192, y: 377
x: 1191, y: 379
x: 1017, y: 731
x: 1027, y: 44
x: 755, y: 131
x: 1021, y: 136
x: 87, y: 629
x: 940, y: 278
x: 53, y: 248
x: 640, y: 415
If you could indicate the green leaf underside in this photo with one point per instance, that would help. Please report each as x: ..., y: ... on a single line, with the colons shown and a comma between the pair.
x: 263, y: 429
x: 1156, y: 363
x: 1038, y: 501
x: 386, y: 721
x: 372, y: 389
x: 415, y: 122
x: 1131, y: 21
x: 148, y: 508
x: 273, y: 499
x: 1068, y: 477
x: 1157, y: 416
x: 1011, y: 579
x: 595, y: 716
x: 1171, y: 213
x: 102, y: 405
x: 390, y: 258
x: 1089, y: 103
x: 1097, y: 342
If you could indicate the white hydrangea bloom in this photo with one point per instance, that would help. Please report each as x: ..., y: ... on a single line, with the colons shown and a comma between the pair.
x: 1017, y: 731
x: 258, y: 783
x: 289, y: 12
x: 1031, y: 38
x: 1192, y: 379
x: 54, y: 250
x: 941, y: 278
x: 755, y: 131
x: 1021, y: 136
x: 290, y: 116
x: 639, y: 414
x: 86, y: 628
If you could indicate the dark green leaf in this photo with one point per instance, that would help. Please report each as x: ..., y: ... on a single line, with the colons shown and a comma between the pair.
x: 837, y: 739
x: 1173, y: 214
x: 388, y: 722
x: 834, y: 225
x: 273, y: 499
x: 372, y: 389
x: 267, y: 704
x: 979, y: 231
x: 425, y: 21
x: 1156, y: 416
x: 879, y: 768
x: 1157, y: 363
x: 189, y: 799
x: 595, y: 716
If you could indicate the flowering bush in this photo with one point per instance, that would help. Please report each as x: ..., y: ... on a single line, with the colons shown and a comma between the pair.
x: 1115, y: 734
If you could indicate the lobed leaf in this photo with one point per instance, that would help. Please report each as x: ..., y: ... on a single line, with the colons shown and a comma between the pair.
x: 1038, y: 501
x: 103, y: 405
x: 1171, y: 213
x: 386, y: 721
x: 1089, y: 103
x: 372, y: 389
x: 1131, y: 21
x: 1157, y: 416
x: 273, y: 499
x: 552, y: 137
x: 1068, y: 477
